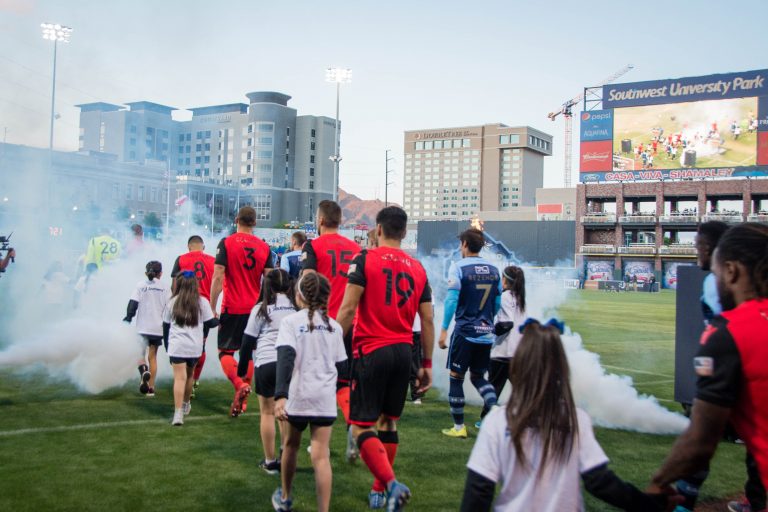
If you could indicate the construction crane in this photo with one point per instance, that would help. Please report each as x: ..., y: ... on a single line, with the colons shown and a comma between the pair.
x: 567, y: 112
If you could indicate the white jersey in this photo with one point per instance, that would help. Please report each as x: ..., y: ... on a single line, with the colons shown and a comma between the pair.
x: 186, y: 341
x: 266, y: 332
x: 312, y: 391
x: 152, y: 297
x: 506, y: 344
x: 557, y: 489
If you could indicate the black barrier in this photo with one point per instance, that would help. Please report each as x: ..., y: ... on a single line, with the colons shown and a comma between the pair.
x: 689, y: 325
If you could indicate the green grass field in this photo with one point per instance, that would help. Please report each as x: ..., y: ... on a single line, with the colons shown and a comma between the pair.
x: 64, y: 450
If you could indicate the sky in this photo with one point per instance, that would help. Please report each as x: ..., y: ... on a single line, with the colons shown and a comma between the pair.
x: 415, y: 65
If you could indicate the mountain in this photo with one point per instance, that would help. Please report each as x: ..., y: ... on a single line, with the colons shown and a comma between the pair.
x: 359, y: 211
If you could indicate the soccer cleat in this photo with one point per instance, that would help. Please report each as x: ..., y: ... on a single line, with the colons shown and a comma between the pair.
x: 739, y: 506
x: 178, y: 418
x: 416, y: 401
x: 186, y: 407
x: 237, y: 404
x: 479, y: 424
x: 452, y: 432
x: 271, y: 468
x: 151, y: 393
x: 144, y: 384
x: 397, y: 497
x: 196, y: 384
x: 377, y: 500
x: 279, y: 503
x: 351, y: 451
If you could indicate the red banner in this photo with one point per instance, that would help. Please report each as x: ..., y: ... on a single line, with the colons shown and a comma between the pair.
x: 596, y: 156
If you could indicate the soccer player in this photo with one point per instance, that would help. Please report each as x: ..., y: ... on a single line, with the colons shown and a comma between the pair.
x: 291, y: 261
x: 732, y: 377
x: 102, y: 249
x: 387, y: 289
x: 241, y: 260
x: 331, y: 254
x: 708, y: 235
x: 474, y: 296
x: 202, y: 265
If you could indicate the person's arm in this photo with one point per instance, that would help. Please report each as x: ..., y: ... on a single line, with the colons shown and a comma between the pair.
x: 4, y: 262
x: 130, y: 311
x: 246, y: 354
x: 478, y: 493
x: 308, y: 258
x: 166, y: 332
x: 451, y: 302
x: 175, y: 272
x: 426, y: 315
x: 286, y: 357
x: 602, y: 483
x: 356, y: 282
x: 219, y: 268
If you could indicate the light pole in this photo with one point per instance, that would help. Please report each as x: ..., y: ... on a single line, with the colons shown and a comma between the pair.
x: 56, y: 33
x: 338, y: 76
x: 387, y: 183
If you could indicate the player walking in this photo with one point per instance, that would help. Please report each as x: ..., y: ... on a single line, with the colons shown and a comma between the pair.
x: 241, y: 260
x: 387, y: 289
x: 291, y: 261
x: 330, y: 254
x: 102, y: 249
x: 202, y: 265
x: 147, y: 304
x: 474, y: 296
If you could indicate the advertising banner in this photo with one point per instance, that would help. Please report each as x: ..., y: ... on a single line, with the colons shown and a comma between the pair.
x: 638, y: 270
x: 678, y: 90
x: 669, y: 280
x: 600, y: 270
x: 596, y: 125
x: 596, y: 156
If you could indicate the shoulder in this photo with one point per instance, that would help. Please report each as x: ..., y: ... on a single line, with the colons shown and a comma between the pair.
x: 335, y: 325
x: 495, y: 422
x: 583, y: 419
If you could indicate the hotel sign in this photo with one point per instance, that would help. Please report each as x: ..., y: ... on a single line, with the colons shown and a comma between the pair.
x: 221, y: 118
x: 449, y: 134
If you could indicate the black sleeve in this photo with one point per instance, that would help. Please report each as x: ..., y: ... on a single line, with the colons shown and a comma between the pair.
x: 285, y: 359
x: 176, y: 268
x: 130, y: 311
x: 356, y: 272
x: 602, y: 483
x: 221, y: 254
x: 166, y: 332
x: 271, y: 259
x: 478, y: 493
x: 210, y: 324
x: 502, y: 328
x: 718, y: 366
x: 308, y: 257
x: 426, y: 295
x: 246, y: 354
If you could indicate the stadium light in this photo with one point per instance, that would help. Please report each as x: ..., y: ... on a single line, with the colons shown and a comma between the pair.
x: 56, y: 32
x: 337, y: 76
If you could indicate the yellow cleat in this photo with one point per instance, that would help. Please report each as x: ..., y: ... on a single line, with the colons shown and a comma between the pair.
x: 452, y: 432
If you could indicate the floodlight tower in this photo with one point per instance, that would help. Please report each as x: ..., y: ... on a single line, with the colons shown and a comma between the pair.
x: 338, y: 76
x: 58, y: 34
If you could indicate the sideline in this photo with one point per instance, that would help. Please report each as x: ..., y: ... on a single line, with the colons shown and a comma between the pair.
x: 631, y: 370
x: 101, y: 425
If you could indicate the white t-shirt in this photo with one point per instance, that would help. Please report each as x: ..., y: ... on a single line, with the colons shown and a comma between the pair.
x: 152, y: 297
x: 265, y: 331
x: 186, y: 341
x: 506, y: 344
x: 312, y: 391
x: 493, y: 457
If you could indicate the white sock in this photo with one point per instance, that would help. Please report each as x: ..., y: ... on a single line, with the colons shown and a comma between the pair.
x: 457, y: 427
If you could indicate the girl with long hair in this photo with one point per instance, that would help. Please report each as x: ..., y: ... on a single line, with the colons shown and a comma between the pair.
x: 259, y: 343
x: 511, y: 314
x: 147, y: 303
x: 541, y: 443
x: 184, y: 319
x: 310, y: 354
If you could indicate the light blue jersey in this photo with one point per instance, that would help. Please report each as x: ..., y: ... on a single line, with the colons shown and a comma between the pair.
x: 474, y: 284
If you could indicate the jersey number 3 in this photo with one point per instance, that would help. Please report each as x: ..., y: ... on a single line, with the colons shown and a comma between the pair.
x: 395, y: 282
x: 250, y: 260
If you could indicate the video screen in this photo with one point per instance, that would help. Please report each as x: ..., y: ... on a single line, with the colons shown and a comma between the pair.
x: 699, y: 135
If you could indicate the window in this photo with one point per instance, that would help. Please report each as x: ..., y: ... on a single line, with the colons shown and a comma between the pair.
x: 265, y: 140
x: 465, y: 143
x: 207, y: 159
x: 311, y: 159
x: 265, y: 127
x: 428, y: 144
x: 312, y: 133
x: 264, y: 154
x: 199, y: 147
x: 153, y: 194
x: 311, y: 171
x: 129, y: 191
x: 208, y: 145
x: 189, y: 137
x: 312, y: 146
x: 199, y: 135
x: 504, y: 139
x: 438, y: 144
x: 419, y: 146
x: 189, y: 149
x: 288, y: 131
x: 141, y: 192
x: 132, y: 155
x: 250, y: 128
x: 181, y: 161
x: 265, y: 168
x: 514, y: 139
x: 249, y: 156
x: 208, y: 134
x: 115, y: 191
x: 311, y: 185
x: 198, y: 159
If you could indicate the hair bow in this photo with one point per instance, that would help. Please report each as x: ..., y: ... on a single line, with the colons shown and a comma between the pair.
x: 552, y: 322
x: 188, y: 273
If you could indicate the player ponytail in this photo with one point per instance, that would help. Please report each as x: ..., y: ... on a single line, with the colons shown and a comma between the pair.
x: 277, y: 281
x: 542, y: 403
x: 186, y: 308
x: 748, y: 244
x: 153, y: 270
x: 514, y: 279
x: 314, y: 290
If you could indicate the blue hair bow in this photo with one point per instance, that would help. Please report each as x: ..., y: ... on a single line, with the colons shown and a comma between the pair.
x: 553, y: 322
x: 188, y: 273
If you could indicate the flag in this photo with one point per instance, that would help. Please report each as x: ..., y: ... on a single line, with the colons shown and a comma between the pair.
x: 180, y: 201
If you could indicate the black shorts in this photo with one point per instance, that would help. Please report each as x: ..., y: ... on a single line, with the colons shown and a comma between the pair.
x: 264, y: 380
x: 153, y: 341
x: 231, y: 329
x: 190, y: 361
x: 300, y: 423
x: 465, y: 355
x: 379, y: 384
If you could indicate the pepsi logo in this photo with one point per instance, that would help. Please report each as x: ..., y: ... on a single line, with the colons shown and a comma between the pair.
x: 585, y: 116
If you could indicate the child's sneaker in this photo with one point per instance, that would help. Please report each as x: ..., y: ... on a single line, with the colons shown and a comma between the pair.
x: 144, y: 382
x: 151, y: 392
x: 237, y: 404
x: 377, y: 500
x: 178, y: 418
x: 186, y: 407
x: 279, y: 503
x: 271, y: 468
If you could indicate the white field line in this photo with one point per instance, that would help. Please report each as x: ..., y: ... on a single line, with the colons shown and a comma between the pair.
x: 631, y: 370
x: 111, y: 424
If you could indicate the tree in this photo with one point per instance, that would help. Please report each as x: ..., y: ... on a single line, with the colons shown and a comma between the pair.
x: 122, y: 213
x: 151, y: 220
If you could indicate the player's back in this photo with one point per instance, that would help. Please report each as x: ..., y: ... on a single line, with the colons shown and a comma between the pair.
x: 395, y: 284
x: 202, y: 265
x: 102, y: 249
x: 291, y: 262
x: 245, y: 257
x: 331, y: 255
x: 479, y: 284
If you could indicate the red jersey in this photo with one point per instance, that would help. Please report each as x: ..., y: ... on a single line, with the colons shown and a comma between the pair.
x: 245, y: 258
x: 331, y: 256
x: 201, y: 264
x: 395, y: 286
x: 732, y: 370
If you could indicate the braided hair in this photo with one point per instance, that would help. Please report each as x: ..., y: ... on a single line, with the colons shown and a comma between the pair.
x: 276, y: 282
x: 314, y: 290
x: 748, y: 244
